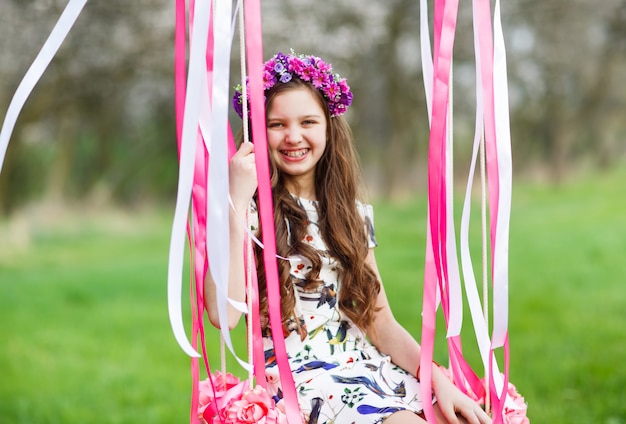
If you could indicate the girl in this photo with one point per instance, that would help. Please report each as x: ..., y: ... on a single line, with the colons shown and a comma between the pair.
x: 352, y: 362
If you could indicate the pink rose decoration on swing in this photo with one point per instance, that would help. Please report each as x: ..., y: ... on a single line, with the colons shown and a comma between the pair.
x: 515, y: 407
x: 255, y: 406
x: 224, y: 399
x: 515, y: 411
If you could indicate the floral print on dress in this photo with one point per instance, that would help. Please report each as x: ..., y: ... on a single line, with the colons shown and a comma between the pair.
x: 340, y: 376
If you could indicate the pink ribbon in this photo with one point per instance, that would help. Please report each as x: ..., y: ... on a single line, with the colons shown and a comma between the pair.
x: 440, y: 274
x: 435, y: 270
x: 254, y: 55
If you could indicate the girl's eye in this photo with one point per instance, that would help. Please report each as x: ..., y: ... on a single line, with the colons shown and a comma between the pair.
x: 274, y: 125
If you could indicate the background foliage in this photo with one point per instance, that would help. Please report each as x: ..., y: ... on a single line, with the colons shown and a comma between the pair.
x: 99, y: 126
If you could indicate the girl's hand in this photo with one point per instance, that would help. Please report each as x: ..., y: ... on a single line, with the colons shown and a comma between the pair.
x: 242, y: 176
x: 454, y: 404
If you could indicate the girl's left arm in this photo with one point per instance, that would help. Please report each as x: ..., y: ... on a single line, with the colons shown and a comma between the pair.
x: 387, y: 334
x: 392, y: 339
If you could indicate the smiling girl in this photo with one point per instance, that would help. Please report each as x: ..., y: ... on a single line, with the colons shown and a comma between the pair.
x: 352, y: 362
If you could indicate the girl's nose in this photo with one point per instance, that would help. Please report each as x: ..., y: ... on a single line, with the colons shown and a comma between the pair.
x: 293, y: 135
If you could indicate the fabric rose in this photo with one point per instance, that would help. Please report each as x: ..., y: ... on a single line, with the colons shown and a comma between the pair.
x: 516, y: 417
x: 221, y: 383
x: 515, y: 409
x: 255, y: 406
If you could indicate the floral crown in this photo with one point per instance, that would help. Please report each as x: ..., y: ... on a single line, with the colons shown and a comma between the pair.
x: 284, y: 67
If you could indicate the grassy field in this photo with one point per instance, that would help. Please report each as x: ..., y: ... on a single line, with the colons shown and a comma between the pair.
x: 85, y: 335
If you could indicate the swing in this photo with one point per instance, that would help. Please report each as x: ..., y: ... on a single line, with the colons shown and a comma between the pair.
x: 442, y: 279
x: 204, y: 138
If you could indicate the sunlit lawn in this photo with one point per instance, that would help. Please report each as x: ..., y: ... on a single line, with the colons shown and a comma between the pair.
x: 85, y: 335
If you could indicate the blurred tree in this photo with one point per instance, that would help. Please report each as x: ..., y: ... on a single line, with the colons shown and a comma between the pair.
x: 101, y: 121
x: 567, y: 102
x: 107, y: 87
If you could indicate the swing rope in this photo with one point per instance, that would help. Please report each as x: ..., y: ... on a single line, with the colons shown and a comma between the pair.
x: 485, y: 273
x: 248, y: 244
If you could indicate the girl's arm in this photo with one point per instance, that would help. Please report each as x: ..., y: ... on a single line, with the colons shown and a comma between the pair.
x: 243, y: 183
x: 388, y: 335
x: 392, y: 339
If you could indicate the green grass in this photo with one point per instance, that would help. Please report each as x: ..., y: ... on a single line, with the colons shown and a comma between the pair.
x: 85, y: 335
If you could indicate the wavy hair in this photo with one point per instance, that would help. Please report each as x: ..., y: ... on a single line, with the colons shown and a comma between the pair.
x: 337, y: 184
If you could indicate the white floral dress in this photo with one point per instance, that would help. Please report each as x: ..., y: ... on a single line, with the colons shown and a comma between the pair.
x: 340, y: 376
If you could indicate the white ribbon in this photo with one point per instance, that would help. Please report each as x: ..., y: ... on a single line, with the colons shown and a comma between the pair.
x: 218, y: 233
x: 427, y: 58
x: 455, y: 318
x: 455, y: 296
x: 195, y: 78
x: 36, y: 70
x: 505, y: 173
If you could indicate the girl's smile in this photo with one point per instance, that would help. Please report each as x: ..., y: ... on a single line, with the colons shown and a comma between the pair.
x: 295, y: 154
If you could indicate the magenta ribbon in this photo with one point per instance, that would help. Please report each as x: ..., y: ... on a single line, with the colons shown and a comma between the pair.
x: 491, y: 73
x: 197, y: 232
x: 485, y: 39
x: 196, y: 226
x: 445, y: 13
x: 254, y: 54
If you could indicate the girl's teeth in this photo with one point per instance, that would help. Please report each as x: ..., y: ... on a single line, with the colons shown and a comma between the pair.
x: 296, y: 154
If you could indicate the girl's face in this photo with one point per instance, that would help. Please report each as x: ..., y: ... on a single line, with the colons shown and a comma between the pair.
x: 296, y: 133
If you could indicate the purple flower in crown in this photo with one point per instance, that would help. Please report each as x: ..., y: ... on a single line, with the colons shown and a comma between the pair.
x: 283, y: 68
x: 279, y: 68
x: 238, y: 104
x: 346, y: 99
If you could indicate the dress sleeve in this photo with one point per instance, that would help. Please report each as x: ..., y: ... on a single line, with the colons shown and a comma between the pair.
x: 367, y: 213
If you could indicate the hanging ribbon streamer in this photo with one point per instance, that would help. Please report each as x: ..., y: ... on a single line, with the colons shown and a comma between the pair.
x: 254, y: 50
x: 441, y: 271
x: 505, y: 174
x: 505, y: 179
x: 187, y: 154
x: 218, y: 248
x: 205, y: 120
x: 434, y: 271
x: 33, y: 75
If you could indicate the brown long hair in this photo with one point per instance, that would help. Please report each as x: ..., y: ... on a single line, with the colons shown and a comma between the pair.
x: 337, y: 184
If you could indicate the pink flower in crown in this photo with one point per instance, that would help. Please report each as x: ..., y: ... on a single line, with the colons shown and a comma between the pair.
x: 295, y: 64
x: 323, y: 66
x: 255, y: 406
x: 269, y: 65
x: 269, y: 79
x: 332, y: 91
x: 318, y: 79
x: 308, y: 72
